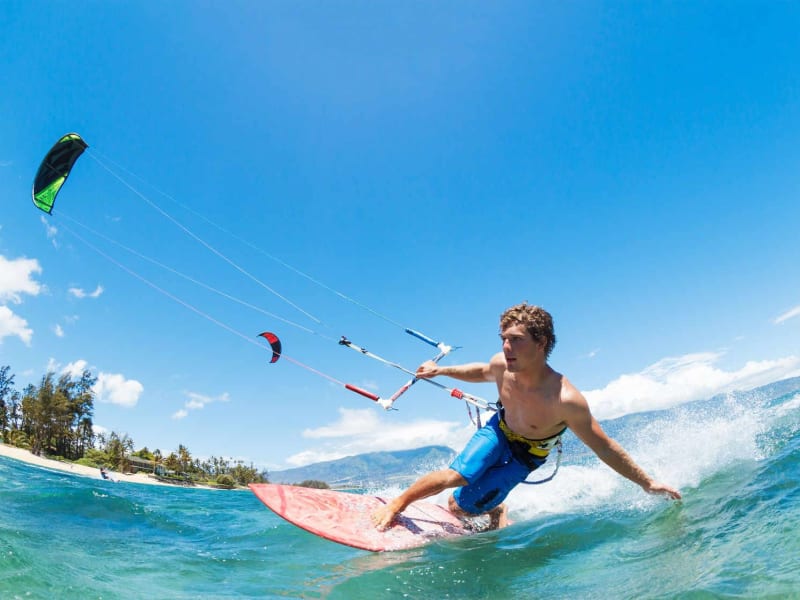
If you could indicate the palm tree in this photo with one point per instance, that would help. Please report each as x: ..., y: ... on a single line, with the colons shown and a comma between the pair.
x: 184, y: 457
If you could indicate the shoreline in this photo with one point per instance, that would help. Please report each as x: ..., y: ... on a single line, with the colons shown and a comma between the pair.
x: 25, y: 456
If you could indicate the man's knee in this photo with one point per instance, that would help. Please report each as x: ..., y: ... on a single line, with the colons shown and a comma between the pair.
x: 453, y: 477
x: 454, y: 508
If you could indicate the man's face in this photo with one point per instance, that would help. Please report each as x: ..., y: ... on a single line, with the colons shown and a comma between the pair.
x: 519, y: 347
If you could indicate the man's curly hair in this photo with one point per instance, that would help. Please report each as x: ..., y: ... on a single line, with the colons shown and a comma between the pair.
x: 535, y: 319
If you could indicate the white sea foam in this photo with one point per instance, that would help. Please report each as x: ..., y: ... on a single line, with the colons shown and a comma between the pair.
x: 681, y: 448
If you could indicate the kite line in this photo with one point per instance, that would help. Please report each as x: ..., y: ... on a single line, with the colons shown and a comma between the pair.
x: 50, y: 178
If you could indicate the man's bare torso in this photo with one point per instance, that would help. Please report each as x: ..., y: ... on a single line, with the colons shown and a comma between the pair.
x: 534, y: 411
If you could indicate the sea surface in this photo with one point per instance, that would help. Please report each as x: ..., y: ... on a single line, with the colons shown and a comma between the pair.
x: 586, y: 534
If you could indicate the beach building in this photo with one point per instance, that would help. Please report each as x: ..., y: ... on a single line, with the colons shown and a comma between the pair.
x: 137, y: 464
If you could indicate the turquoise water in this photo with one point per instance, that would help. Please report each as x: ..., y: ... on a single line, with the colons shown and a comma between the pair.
x: 587, y: 534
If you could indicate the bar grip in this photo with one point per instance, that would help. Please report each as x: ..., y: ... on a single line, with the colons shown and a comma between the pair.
x: 364, y: 393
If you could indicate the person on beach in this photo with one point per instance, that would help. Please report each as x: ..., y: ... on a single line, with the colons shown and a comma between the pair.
x: 536, y: 405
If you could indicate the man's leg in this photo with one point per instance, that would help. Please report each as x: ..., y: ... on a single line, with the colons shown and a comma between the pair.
x: 424, y: 487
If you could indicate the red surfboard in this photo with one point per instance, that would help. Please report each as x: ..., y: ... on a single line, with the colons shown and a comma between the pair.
x: 345, y: 518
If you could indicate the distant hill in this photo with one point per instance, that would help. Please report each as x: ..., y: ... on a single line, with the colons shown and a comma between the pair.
x: 375, y: 468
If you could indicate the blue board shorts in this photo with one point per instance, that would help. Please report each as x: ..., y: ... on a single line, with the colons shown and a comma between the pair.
x: 490, y: 468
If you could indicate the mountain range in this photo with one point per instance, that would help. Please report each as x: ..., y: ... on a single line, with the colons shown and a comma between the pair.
x: 372, y: 469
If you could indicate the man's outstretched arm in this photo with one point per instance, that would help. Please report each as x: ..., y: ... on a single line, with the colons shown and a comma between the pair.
x: 586, y: 427
x: 476, y: 372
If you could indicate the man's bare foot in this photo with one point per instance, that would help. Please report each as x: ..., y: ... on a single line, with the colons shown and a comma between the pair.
x: 384, y: 516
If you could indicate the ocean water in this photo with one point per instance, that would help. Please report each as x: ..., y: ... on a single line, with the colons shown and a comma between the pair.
x: 587, y: 534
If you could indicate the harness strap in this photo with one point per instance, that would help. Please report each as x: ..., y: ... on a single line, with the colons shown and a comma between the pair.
x: 536, y: 450
x: 553, y: 474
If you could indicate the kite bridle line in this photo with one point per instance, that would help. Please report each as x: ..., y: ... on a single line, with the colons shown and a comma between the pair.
x: 95, y: 156
x: 202, y: 242
x: 184, y: 276
x: 444, y: 349
x: 217, y: 322
x: 385, y: 403
x: 250, y: 244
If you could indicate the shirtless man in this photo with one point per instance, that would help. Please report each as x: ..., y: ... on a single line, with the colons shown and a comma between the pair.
x: 537, y: 406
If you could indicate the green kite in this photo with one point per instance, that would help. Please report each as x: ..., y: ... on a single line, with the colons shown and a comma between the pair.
x: 54, y: 170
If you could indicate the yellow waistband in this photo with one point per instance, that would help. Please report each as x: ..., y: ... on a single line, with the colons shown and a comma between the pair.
x: 540, y: 448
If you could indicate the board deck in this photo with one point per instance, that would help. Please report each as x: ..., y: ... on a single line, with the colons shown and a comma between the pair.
x: 345, y: 518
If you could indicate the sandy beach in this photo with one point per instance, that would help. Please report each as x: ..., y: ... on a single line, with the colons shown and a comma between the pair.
x: 81, y: 470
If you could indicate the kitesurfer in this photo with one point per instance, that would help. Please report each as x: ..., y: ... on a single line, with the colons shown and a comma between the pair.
x: 537, y: 404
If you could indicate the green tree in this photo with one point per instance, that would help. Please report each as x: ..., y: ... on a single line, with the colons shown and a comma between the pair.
x: 143, y: 453
x: 117, y: 449
x: 95, y: 458
x: 14, y: 406
x: 6, y: 393
x: 157, y: 458
x: 56, y: 416
x: 245, y: 475
x: 172, y: 463
x: 77, y: 434
x: 18, y: 438
x: 41, y: 409
x: 225, y: 481
x: 184, y: 458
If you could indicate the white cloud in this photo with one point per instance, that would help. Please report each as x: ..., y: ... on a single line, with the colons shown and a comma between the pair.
x: 674, y: 381
x: 361, y: 430
x: 68, y: 320
x: 115, y: 389
x: 309, y: 457
x: 73, y: 369
x: 110, y: 388
x: 198, y: 401
x: 790, y: 314
x: 50, y: 230
x: 12, y: 324
x: 351, y: 422
x: 80, y: 293
x: 194, y: 404
x: 16, y: 278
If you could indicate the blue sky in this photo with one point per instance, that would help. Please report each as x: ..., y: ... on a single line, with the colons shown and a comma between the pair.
x: 631, y: 167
